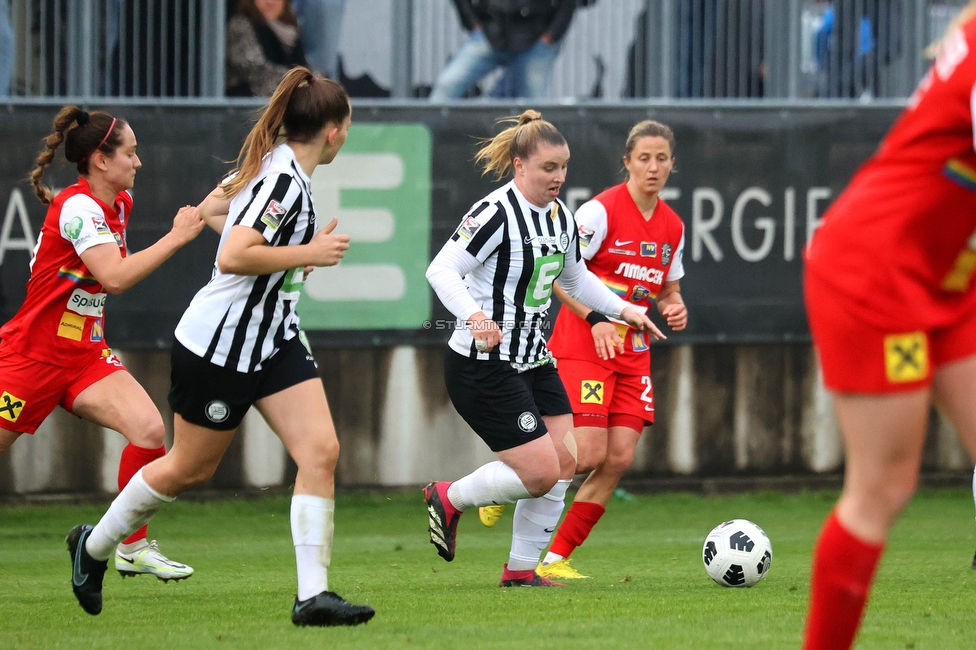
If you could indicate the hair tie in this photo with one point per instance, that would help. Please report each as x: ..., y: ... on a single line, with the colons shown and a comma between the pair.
x: 82, y: 118
x: 99, y: 145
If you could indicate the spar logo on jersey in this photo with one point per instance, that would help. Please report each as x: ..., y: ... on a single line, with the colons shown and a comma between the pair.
x: 585, y: 235
x: 273, y: 214
x: 648, y: 249
x: 468, y: 228
x: 638, y: 272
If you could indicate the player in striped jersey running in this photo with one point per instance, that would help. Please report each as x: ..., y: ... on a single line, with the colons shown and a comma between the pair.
x: 239, y: 344
x: 495, y: 274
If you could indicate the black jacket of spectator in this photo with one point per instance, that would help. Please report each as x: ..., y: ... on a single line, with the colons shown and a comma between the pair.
x: 516, y: 25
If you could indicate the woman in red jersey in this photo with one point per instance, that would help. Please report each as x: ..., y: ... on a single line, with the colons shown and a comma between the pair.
x: 890, y: 299
x: 53, y: 351
x: 633, y: 241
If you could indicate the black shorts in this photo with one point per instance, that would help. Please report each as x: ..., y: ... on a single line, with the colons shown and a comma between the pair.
x: 217, y: 398
x: 502, y: 405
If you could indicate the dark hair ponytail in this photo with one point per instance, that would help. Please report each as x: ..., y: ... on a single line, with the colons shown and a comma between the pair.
x: 300, y: 107
x: 83, y: 134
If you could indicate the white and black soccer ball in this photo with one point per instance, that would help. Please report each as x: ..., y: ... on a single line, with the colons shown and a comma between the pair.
x: 737, y: 553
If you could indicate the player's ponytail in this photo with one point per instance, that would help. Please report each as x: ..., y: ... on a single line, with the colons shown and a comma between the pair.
x: 520, y: 140
x: 83, y: 134
x: 300, y: 107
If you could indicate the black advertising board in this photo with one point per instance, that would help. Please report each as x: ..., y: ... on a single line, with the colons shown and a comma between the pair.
x: 750, y: 183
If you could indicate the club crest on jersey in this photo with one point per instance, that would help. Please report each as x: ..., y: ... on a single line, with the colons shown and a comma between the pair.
x: 665, y: 254
x: 585, y: 235
x: 648, y: 249
x: 468, y: 227
x: 217, y: 411
x: 273, y: 214
x: 639, y: 293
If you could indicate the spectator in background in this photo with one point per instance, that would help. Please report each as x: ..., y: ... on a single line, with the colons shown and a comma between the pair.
x: 7, y: 45
x: 521, y: 36
x: 856, y: 39
x: 321, y: 23
x: 263, y: 43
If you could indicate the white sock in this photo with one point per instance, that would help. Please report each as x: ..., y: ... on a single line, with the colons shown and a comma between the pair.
x: 490, y: 484
x: 312, y: 527
x: 134, y: 507
x: 552, y: 557
x: 532, y: 527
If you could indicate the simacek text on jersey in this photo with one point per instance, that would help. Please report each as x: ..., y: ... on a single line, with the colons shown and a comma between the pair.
x: 458, y: 324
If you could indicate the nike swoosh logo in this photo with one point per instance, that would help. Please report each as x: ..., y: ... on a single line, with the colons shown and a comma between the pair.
x: 77, y: 577
x: 548, y: 530
x: 623, y: 243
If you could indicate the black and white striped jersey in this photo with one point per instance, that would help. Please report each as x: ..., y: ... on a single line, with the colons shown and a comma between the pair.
x: 239, y: 321
x: 522, y: 249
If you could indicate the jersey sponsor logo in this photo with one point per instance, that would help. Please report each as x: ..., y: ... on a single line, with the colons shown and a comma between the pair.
x: 217, y: 411
x: 560, y: 243
x: 11, y: 406
x: 622, y: 251
x: 468, y: 227
x: 87, y: 304
x: 591, y: 391
x: 273, y: 214
x: 638, y: 272
x: 527, y: 422
x: 638, y: 343
x: 118, y: 239
x: 648, y: 249
x: 72, y: 326
x: 906, y: 357
x: 97, y: 333
x: 111, y: 358
x: 639, y: 293
x: 547, y: 269
x: 585, y: 235
x: 665, y: 254
x: 72, y: 229
x: 623, y: 243
x: 961, y: 273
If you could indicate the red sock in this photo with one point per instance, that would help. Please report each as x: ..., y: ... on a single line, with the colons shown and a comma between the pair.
x: 579, y: 521
x: 843, y: 568
x: 133, y: 459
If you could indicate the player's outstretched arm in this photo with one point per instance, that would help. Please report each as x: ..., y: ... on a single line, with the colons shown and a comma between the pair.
x: 214, y: 209
x: 245, y: 252
x: 117, y: 274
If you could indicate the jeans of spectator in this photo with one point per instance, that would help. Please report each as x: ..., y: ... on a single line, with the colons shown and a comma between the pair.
x: 527, y: 74
x: 7, y: 48
x: 321, y: 23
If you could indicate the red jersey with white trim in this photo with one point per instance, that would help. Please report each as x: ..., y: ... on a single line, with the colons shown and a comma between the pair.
x: 61, y: 320
x: 632, y: 256
x: 900, y: 242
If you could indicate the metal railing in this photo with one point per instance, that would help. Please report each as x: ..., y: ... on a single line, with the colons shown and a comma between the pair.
x: 126, y: 48
x: 670, y: 49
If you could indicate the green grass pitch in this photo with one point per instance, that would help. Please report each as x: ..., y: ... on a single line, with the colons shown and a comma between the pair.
x: 648, y: 587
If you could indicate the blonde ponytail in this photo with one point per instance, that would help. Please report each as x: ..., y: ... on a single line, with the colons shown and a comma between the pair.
x: 520, y: 140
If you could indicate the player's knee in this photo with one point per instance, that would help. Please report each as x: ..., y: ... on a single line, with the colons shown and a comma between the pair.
x: 591, y: 456
x: 146, y: 431
x: 619, y: 462
x: 542, y: 481
x: 320, y: 458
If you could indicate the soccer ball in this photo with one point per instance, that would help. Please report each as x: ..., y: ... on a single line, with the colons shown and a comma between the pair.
x: 737, y: 553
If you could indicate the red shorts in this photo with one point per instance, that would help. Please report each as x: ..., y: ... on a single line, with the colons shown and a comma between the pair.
x: 603, y: 398
x: 858, y: 357
x: 30, y: 390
